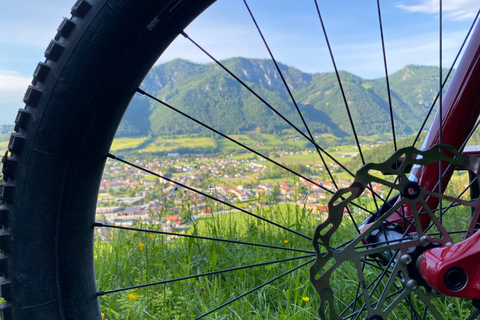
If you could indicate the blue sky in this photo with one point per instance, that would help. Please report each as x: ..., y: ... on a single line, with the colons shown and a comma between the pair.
x: 291, y: 28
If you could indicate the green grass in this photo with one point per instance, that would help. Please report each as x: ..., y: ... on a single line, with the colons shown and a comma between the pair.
x: 127, y: 143
x: 178, y: 143
x: 299, y: 159
x: 161, y: 144
x: 131, y: 258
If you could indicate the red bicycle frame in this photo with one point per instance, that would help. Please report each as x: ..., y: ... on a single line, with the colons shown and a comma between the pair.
x: 452, y: 269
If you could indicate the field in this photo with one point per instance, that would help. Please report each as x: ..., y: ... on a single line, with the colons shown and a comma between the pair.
x: 127, y: 143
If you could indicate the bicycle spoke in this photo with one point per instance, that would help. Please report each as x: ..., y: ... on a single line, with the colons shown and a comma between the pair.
x: 340, y: 83
x: 103, y: 225
x: 446, y: 78
x: 233, y: 140
x: 209, y: 196
x: 290, y: 93
x: 254, y: 289
x: 101, y: 293
x: 386, y: 77
x: 268, y: 105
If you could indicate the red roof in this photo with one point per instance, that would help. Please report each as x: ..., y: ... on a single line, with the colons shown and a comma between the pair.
x: 173, y: 217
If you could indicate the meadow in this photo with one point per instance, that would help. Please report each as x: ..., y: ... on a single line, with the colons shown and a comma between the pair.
x: 132, y: 258
x: 125, y: 258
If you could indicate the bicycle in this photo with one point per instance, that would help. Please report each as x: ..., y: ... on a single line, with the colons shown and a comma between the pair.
x: 82, y: 86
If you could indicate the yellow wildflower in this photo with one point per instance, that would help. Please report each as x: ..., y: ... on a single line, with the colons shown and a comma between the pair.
x: 306, y: 299
x: 95, y: 255
x: 150, y: 236
x: 132, y: 296
x: 285, y: 241
x: 103, y: 315
x: 141, y: 245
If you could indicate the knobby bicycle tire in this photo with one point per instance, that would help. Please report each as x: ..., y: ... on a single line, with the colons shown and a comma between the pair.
x: 57, y: 153
x: 74, y: 106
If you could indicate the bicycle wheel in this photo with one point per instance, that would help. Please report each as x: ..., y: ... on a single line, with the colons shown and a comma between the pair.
x: 94, y: 66
x: 53, y: 176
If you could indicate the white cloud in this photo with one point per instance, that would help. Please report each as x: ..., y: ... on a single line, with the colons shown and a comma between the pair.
x: 453, y: 9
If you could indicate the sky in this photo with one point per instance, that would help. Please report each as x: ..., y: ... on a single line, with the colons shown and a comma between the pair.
x: 291, y: 28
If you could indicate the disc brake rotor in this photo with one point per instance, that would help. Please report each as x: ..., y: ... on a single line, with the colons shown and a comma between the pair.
x: 361, y: 278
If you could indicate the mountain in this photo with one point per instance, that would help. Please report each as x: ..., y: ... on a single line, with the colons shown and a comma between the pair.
x: 209, y: 94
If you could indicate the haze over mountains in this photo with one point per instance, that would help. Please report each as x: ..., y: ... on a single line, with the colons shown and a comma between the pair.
x: 209, y: 94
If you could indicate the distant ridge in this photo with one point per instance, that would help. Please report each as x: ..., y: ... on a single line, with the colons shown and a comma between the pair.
x: 209, y: 94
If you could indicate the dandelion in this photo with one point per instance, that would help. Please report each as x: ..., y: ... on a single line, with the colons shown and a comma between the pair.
x: 150, y: 236
x: 103, y: 315
x: 113, y: 223
x: 132, y: 296
x: 95, y: 255
x: 141, y: 245
x: 285, y: 241
x: 306, y: 299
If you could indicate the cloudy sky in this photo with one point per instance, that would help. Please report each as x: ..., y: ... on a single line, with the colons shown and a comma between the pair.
x: 291, y: 28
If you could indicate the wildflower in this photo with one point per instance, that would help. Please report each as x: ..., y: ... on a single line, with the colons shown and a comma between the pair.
x: 220, y: 157
x: 285, y: 241
x: 150, y: 236
x: 141, y: 245
x: 103, y: 315
x: 306, y: 299
x: 113, y: 223
x: 250, y: 203
x: 267, y: 210
x: 95, y: 255
x: 132, y: 296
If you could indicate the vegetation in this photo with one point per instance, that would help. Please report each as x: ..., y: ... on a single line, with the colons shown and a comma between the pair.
x: 131, y: 258
x: 128, y: 258
x: 211, y: 96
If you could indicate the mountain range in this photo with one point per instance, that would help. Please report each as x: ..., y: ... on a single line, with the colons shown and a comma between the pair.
x: 211, y: 95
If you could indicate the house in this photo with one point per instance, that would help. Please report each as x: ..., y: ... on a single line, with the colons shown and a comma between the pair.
x: 174, y: 217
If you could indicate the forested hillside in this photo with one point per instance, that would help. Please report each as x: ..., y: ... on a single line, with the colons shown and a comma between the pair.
x: 209, y: 94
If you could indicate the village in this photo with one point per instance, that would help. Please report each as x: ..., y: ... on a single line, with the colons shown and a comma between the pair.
x: 175, y: 190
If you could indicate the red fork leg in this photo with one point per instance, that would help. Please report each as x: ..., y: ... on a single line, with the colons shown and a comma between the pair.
x: 460, y: 111
x: 454, y: 270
